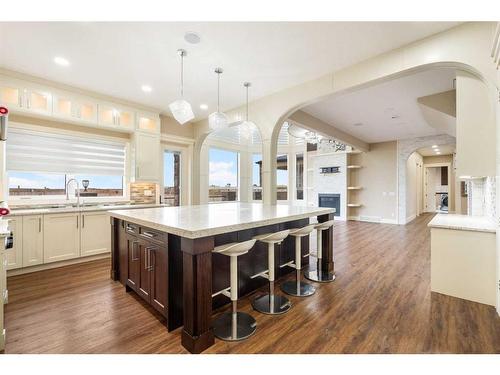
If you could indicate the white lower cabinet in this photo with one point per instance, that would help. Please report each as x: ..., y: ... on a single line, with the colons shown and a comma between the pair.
x: 95, y: 233
x: 32, y: 240
x: 14, y: 256
x: 61, y: 238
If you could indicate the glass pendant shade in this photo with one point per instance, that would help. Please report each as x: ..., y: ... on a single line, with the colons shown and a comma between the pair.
x: 217, y: 120
x: 182, y: 111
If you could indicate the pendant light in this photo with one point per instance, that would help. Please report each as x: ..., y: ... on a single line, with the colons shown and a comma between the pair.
x: 246, y: 126
x: 218, y: 120
x: 181, y: 109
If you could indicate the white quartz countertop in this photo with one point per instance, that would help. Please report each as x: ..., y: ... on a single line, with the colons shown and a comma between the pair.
x: 463, y: 222
x: 211, y: 219
x: 103, y: 207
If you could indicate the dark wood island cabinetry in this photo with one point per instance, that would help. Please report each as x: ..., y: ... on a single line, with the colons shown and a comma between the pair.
x: 165, y: 256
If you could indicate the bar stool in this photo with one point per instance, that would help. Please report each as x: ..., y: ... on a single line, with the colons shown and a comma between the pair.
x: 319, y: 275
x: 298, y: 288
x: 271, y: 303
x: 234, y: 325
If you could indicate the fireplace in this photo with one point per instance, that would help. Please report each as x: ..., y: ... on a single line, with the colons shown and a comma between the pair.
x: 330, y: 200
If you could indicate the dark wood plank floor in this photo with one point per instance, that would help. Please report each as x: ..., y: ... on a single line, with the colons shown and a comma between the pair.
x: 380, y: 303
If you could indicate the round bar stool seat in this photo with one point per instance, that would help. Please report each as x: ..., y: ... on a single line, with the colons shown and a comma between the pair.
x: 234, y: 325
x: 298, y: 288
x: 271, y: 303
x: 319, y: 275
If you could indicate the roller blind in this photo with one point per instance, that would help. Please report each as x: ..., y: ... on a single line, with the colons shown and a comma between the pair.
x: 35, y: 151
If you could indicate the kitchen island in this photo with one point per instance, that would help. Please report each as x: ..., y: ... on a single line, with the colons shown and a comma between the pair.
x: 165, y: 255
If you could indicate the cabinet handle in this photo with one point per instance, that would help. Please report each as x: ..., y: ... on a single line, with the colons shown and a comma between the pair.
x: 39, y: 225
x: 148, y: 234
x: 83, y: 221
x: 77, y: 221
x: 28, y: 102
x: 20, y: 100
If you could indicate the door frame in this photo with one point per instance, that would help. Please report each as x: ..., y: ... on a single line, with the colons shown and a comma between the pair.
x: 435, y: 165
x: 185, y: 147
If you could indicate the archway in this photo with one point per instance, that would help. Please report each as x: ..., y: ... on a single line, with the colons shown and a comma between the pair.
x: 230, y: 165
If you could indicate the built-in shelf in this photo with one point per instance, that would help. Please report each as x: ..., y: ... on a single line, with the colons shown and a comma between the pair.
x: 353, y: 166
x: 354, y: 204
x: 354, y: 188
x: 354, y: 152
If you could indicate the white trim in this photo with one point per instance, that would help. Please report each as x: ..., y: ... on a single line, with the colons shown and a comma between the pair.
x: 168, y: 138
x: 186, y: 151
x: 436, y: 165
x: 410, y: 219
x: 48, y: 266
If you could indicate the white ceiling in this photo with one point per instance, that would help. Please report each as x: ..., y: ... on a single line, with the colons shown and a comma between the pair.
x: 117, y: 58
x: 443, y: 149
x: 374, y: 107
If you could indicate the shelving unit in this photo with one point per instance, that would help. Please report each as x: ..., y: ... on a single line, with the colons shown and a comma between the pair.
x: 354, y: 166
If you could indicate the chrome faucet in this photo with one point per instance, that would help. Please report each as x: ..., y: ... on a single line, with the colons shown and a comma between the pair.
x: 77, y: 194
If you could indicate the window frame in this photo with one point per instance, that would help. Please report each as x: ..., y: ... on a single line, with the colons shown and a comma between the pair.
x: 251, y: 179
x: 19, y: 200
x: 238, y: 172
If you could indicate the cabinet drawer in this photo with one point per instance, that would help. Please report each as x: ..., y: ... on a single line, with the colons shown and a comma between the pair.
x: 153, y: 235
x: 131, y: 228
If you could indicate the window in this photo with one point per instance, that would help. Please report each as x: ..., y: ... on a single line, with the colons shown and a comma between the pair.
x: 29, y: 184
x: 171, y: 178
x: 299, y: 176
x: 257, y: 177
x: 223, y: 175
x: 40, y: 164
x: 282, y: 177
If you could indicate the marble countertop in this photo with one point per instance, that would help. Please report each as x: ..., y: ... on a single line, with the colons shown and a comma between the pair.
x: 463, y: 222
x: 100, y: 207
x: 211, y: 219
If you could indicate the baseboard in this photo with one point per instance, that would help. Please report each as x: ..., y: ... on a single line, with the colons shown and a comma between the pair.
x: 410, y: 218
x: 49, y: 266
x: 377, y: 221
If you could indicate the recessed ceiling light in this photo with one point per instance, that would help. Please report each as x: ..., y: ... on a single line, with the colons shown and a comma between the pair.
x: 438, y: 153
x: 358, y: 124
x: 146, y: 88
x: 192, y: 37
x: 204, y: 107
x: 434, y: 146
x: 61, y: 61
x: 395, y: 117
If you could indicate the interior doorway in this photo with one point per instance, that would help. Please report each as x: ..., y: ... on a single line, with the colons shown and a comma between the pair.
x: 437, y: 188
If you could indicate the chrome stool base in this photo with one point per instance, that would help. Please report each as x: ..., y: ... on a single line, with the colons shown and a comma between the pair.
x: 320, y: 276
x: 298, y: 288
x: 272, y: 305
x: 234, y: 326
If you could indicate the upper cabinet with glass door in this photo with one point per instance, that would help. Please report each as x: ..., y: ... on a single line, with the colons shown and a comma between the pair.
x: 25, y: 97
x: 74, y: 108
x: 148, y: 122
x: 118, y: 117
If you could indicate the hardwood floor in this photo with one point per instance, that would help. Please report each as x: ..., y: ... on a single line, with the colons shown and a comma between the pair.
x: 380, y: 303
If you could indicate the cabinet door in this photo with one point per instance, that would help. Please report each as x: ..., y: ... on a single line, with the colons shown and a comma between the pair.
x: 95, y: 233
x: 14, y: 256
x: 107, y: 115
x: 144, y: 288
x: 38, y: 101
x: 134, y: 263
x: 148, y: 122
x: 159, y: 278
x: 126, y: 119
x: 61, y: 238
x: 32, y: 240
x: 86, y: 111
x: 11, y: 96
x: 147, y: 157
